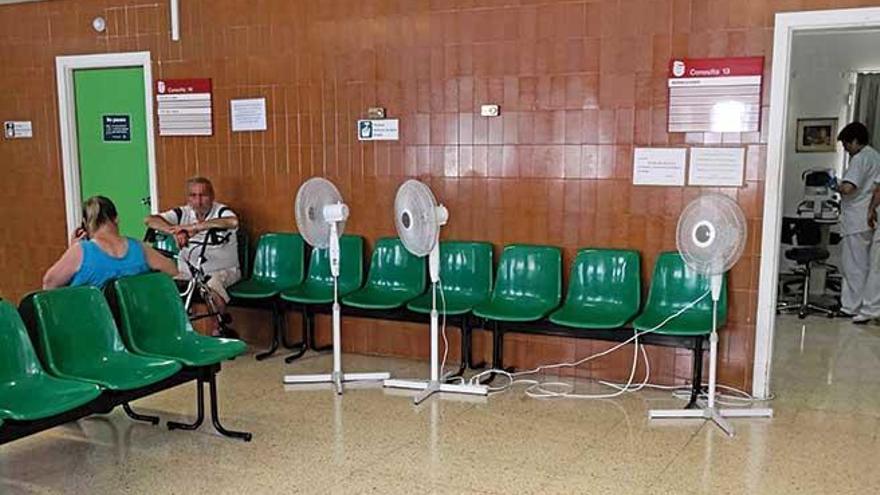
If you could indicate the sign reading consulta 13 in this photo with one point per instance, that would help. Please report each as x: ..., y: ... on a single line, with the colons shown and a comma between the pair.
x: 715, y: 94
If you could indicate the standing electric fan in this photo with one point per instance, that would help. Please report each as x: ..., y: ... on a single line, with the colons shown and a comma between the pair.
x: 320, y: 218
x: 711, y: 236
x: 418, y: 218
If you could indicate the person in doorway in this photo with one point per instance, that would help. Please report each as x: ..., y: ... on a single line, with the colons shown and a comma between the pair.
x: 856, y: 189
x: 190, y: 225
x: 98, y: 253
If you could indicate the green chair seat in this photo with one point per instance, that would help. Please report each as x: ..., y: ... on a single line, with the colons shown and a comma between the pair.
x: 529, y: 284
x: 604, y: 290
x: 674, y: 286
x: 466, y: 277
x: 78, y: 339
x: 379, y: 298
x: 153, y: 323
x: 254, y: 289
x: 456, y: 304
x: 27, y: 392
x: 396, y: 277
x: 317, y: 288
x: 278, y: 265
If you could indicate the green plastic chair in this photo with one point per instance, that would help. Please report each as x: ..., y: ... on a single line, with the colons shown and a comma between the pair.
x: 166, y: 242
x: 153, y: 323
x: 78, y: 339
x: 396, y: 277
x: 317, y: 288
x: 673, y: 287
x: 604, y: 290
x: 27, y: 392
x: 278, y: 265
x: 466, y: 276
x: 528, y: 285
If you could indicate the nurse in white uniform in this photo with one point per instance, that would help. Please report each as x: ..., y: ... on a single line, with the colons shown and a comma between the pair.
x: 856, y: 189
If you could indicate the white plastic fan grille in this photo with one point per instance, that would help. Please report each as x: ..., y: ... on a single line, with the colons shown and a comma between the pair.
x: 711, y: 233
x: 312, y: 197
x: 415, y: 215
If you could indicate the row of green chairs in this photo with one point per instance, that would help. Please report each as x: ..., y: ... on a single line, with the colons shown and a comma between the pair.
x: 604, y: 290
x: 79, y: 360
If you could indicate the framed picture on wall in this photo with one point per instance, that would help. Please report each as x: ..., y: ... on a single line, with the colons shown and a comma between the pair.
x: 816, y: 135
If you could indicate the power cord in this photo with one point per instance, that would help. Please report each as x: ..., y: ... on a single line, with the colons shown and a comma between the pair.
x: 538, y: 389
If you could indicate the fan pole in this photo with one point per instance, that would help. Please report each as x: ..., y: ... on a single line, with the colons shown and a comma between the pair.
x: 709, y: 411
x: 336, y: 377
x: 434, y: 385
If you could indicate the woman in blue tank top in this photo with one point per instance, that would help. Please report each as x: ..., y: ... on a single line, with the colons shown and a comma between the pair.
x: 98, y: 253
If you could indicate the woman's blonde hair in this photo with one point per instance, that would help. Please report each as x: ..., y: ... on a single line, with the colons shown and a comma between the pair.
x: 97, y: 211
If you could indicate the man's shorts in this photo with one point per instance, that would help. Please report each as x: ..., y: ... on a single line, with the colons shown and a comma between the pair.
x: 218, y: 281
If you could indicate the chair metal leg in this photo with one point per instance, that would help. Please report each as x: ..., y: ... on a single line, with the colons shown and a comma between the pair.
x: 497, y: 352
x: 303, y: 344
x: 200, y: 415
x: 697, y: 377
x: 215, y: 416
x: 154, y: 420
x: 462, y: 365
x: 313, y: 340
x: 274, y: 347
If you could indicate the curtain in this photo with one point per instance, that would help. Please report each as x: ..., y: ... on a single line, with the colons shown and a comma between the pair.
x: 867, y: 105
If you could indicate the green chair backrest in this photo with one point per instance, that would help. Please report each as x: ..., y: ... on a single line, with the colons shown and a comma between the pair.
x: 674, y: 286
x: 351, y: 265
x: 279, y: 259
x: 392, y: 267
x: 74, y: 328
x: 150, y: 311
x: 166, y: 242
x: 466, y: 268
x: 531, y: 272
x: 606, y: 277
x: 17, y: 357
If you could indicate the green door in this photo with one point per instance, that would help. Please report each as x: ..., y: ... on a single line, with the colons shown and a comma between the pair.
x: 112, y: 141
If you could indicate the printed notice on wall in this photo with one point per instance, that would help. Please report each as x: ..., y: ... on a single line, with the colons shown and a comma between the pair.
x: 379, y: 130
x: 18, y: 129
x: 659, y: 166
x: 184, y: 107
x: 715, y: 94
x: 248, y: 114
x: 717, y: 167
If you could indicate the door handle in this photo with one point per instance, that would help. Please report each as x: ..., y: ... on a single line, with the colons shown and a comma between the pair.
x: 146, y: 201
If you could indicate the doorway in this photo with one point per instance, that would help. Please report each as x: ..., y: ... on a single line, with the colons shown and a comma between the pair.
x: 105, y: 113
x: 788, y: 27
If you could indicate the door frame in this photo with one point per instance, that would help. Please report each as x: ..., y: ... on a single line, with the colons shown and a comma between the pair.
x: 786, y: 25
x: 64, y: 67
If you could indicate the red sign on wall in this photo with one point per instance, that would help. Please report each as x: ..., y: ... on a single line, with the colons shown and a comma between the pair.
x: 715, y: 94
x: 184, y: 107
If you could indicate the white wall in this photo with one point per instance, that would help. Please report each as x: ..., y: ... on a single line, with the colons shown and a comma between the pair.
x: 822, y: 65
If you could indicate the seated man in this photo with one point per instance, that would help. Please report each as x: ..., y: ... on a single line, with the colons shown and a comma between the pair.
x: 189, y: 224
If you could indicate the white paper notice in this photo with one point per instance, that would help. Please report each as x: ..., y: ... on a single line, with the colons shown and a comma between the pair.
x: 717, y: 167
x: 18, y: 129
x: 248, y: 114
x: 659, y: 166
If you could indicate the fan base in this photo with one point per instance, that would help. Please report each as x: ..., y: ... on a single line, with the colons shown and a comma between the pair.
x: 336, y: 378
x: 429, y: 388
x: 715, y: 415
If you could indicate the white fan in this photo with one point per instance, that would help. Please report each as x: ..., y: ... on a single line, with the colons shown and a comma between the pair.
x: 320, y: 218
x: 418, y: 218
x: 711, y: 236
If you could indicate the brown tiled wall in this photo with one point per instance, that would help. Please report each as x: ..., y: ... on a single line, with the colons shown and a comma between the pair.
x: 579, y: 83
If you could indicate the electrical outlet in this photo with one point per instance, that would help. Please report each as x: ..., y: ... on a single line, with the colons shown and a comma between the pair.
x: 490, y: 111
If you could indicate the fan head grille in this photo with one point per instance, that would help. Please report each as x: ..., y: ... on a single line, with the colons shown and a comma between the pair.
x: 415, y: 216
x: 711, y: 233
x: 312, y: 197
